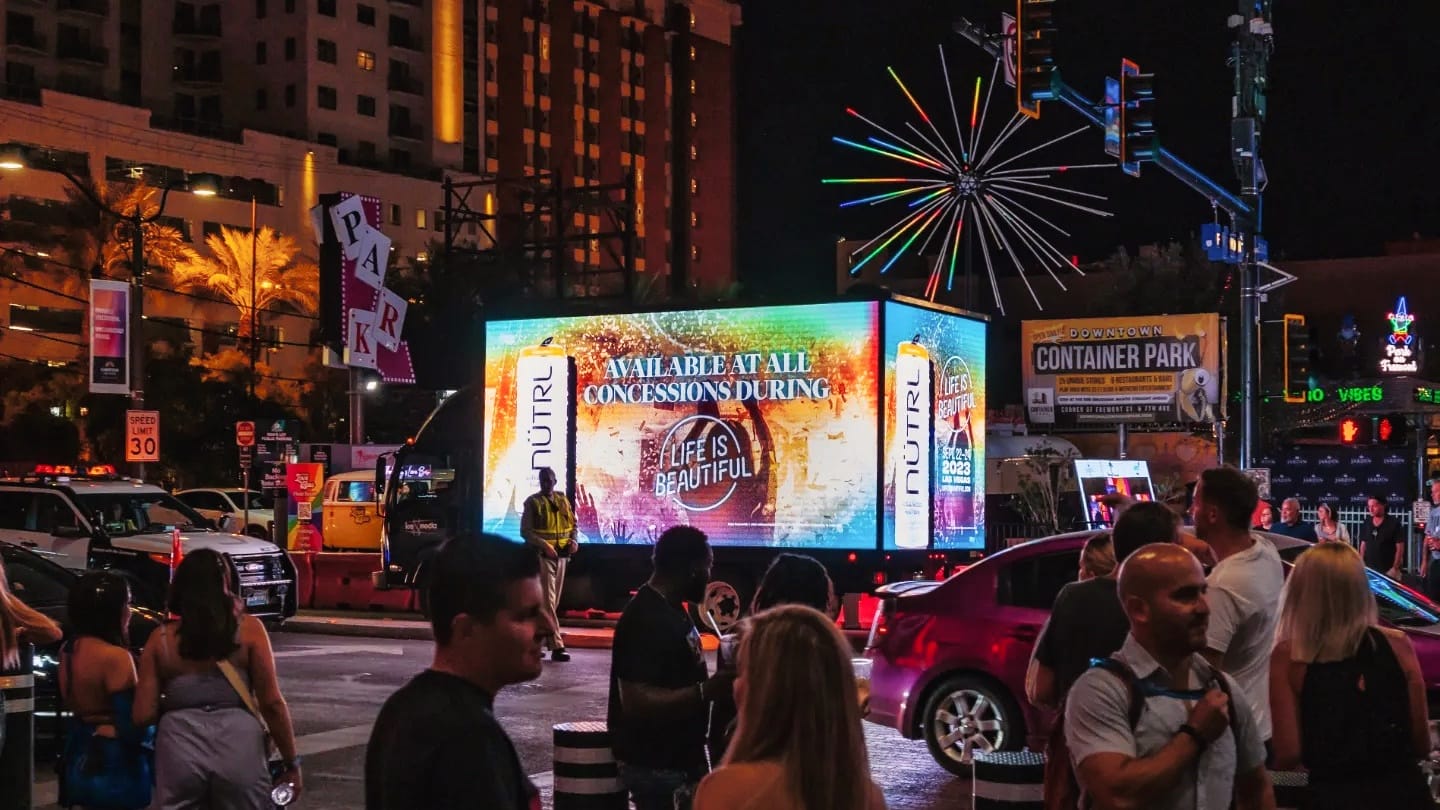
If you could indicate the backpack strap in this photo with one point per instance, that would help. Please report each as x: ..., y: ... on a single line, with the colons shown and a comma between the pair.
x: 1126, y: 675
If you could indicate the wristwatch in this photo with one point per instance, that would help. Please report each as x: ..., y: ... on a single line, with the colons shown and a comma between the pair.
x: 1195, y: 734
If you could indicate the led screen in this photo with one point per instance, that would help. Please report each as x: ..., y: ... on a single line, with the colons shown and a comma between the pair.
x: 934, y: 429
x: 1100, y: 477
x: 757, y: 425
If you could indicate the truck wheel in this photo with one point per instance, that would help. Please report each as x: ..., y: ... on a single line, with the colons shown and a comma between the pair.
x: 965, y: 715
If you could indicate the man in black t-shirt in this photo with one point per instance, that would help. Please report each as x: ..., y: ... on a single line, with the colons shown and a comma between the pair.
x: 1382, y: 540
x: 436, y: 743
x: 660, y: 689
x: 1087, y: 620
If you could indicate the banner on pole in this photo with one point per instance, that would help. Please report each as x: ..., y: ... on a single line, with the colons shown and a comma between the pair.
x: 109, y: 337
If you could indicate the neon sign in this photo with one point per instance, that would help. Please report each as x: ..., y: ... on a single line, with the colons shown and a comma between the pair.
x: 1400, y: 348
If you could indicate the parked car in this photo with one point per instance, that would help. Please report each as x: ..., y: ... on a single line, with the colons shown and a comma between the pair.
x: 105, y: 522
x: 949, y: 658
x: 226, y: 508
x: 351, y: 518
x: 45, y: 586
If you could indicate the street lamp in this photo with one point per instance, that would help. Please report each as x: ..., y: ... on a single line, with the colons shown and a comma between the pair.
x: 14, y: 157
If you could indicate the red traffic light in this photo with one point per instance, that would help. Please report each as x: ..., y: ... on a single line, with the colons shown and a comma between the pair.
x: 1384, y: 429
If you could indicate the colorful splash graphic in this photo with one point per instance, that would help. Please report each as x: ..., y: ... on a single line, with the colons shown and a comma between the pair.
x: 757, y: 425
x: 937, y: 439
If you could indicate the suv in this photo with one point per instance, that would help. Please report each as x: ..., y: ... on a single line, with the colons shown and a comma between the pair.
x: 226, y: 507
x: 127, y: 526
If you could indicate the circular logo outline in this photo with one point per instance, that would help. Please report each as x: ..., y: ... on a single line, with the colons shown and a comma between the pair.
x: 666, y: 443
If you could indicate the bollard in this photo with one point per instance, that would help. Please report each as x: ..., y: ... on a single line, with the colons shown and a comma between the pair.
x: 1289, y: 788
x: 17, y: 751
x: 1009, y: 780
x: 586, y: 776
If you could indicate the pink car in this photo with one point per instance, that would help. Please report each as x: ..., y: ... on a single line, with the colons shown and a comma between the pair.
x: 949, y: 658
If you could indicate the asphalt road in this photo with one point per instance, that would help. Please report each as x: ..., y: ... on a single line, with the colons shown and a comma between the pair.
x: 335, y: 687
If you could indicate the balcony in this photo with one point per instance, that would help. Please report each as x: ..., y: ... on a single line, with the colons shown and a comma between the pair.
x: 26, y: 41
x: 210, y: 74
x: 406, y: 84
x: 196, y: 29
x: 407, y: 130
x: 408, y: 41
x: 99, y: 8
x: 86, y: 52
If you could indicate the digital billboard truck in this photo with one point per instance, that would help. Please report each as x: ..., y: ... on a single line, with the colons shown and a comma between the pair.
x: 852, y: 431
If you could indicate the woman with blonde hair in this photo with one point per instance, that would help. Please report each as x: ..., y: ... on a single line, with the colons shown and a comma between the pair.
x: 799, y: 744
x: 1336, y: 675
x: 1327, y: 528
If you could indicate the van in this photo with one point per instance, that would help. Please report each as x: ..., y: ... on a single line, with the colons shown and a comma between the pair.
x: 351, y: 520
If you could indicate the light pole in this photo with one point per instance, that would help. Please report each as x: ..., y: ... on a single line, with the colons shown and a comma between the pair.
x: 15, y: 157
x: 254, y: 305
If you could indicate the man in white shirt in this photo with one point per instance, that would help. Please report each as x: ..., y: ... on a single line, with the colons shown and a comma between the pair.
x: 1244, y: 586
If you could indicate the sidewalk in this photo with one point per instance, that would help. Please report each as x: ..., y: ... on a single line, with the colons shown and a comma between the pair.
x: 593, y: 635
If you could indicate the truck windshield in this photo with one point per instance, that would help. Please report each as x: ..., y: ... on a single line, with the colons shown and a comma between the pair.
x: 127, y: 513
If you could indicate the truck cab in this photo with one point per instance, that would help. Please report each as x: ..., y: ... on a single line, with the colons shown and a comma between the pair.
x: 90, y: 523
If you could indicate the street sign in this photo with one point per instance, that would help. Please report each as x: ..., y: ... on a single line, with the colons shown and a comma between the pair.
x: 142, y: 436
x: 245, y: 434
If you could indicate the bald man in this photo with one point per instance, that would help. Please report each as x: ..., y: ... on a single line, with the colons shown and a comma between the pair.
x: 1290, y: 523
x: 1185, y: 752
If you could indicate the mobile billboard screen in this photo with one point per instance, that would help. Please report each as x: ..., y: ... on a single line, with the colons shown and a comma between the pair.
x: 757, y: 425
x: 934, y: 429
x: 1099, y: 478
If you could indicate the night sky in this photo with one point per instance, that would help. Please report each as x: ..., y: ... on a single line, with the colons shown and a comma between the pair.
x: 1349, y: 145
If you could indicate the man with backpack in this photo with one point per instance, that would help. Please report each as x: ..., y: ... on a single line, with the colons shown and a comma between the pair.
x: 1155, y: 725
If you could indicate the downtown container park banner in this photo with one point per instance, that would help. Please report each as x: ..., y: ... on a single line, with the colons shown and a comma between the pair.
x: 760, y: 425
x: 1096, y: 371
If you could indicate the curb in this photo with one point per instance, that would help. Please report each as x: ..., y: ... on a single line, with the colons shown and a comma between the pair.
x: 579, y: 638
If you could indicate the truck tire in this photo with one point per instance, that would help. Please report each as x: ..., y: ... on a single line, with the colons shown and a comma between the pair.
x: 965, y: 714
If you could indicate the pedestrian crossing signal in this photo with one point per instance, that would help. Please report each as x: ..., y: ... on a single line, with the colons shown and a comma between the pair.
x: 1354, y: 430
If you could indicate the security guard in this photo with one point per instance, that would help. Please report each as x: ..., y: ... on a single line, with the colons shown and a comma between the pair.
x: 547, y: 522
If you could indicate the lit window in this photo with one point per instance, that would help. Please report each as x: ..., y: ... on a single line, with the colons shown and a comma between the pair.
x: 693, y: 87
x: 365, y: 60
x: 694, y: 152
x: 694, y: 186
x: 420, y: 218
x: 694, y: 219
x: 544, y: 46
x: 692, y: 53
x: 694, y: 253
x: 694, y: 119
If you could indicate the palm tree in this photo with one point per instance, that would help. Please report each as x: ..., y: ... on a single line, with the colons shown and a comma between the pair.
x: 278, y: 279
x: 107, y: 240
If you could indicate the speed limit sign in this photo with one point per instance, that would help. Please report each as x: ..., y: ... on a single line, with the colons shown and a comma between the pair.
x: 142, y: 435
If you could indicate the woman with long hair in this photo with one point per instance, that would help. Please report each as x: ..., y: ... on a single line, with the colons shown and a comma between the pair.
x: 1337, y: 675
x: 799, y: 744
x: 19, y: 624
x: 105, y: 761
x: 1327, y: 528
x: 200, y: 674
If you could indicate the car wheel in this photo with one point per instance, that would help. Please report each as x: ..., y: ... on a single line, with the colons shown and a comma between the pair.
x: 966, y: 715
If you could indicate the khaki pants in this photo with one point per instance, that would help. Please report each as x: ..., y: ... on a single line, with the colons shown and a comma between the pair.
x: 552, y: 581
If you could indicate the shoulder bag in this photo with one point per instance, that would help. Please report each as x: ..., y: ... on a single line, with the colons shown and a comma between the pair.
x: 272, y: 755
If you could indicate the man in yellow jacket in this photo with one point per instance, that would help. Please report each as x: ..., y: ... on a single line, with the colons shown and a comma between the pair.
x: 547, y: 522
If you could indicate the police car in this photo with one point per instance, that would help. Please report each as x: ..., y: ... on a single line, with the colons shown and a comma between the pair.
x: 100, y: 521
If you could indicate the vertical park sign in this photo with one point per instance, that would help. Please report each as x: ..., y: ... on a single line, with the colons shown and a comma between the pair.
x: 370, y: 316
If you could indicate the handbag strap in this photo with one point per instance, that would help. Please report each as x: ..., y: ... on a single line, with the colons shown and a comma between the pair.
x: 228, y: 670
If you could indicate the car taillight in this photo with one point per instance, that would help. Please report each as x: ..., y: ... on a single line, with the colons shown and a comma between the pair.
x: 163, y: 559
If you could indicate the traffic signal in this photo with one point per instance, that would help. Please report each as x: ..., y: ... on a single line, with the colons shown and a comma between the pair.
x: 1390, y: 429
x: 1297, y: 358
x: 1034, y: 54
x: 1137, y: 116
x: 1355, y: 430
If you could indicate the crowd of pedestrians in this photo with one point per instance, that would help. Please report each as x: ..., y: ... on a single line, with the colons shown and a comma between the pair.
x: 1189, y: 685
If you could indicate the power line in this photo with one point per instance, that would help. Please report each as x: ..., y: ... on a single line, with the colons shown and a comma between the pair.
x: 33, y: 362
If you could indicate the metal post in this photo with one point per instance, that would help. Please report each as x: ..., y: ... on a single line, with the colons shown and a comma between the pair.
x: 254, y: 308
x: 1122, y: 436
x: 1251, y: 59
x: 17, y: 758
x: 137, y: 319
x: 357, y: 408
x: 1249, y: 325
x: 245, y: 496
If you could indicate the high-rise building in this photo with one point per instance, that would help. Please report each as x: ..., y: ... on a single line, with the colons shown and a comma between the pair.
x: 588, y: 90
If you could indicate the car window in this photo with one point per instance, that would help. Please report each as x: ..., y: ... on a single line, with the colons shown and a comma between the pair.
x: 51, y: 513
x: 203, y: 500
x: 34, y: 581
x: 356, y: 491
x: 258, y: 500
x: 1034, y: 582
x: 14, y: 510
x: 1399, y: 608
x: 138, y: 512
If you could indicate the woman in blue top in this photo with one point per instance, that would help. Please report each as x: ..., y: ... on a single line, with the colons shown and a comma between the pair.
x: 107, y: 761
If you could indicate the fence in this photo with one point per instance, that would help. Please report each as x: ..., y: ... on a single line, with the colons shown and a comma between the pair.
x: 1353, y: 517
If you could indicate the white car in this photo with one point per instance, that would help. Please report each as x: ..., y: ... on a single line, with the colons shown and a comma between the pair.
x: 226, y: 507
x: 128, y: 526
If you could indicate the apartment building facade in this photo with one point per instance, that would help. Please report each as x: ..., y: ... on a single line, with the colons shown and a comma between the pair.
x: 591, y: 91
